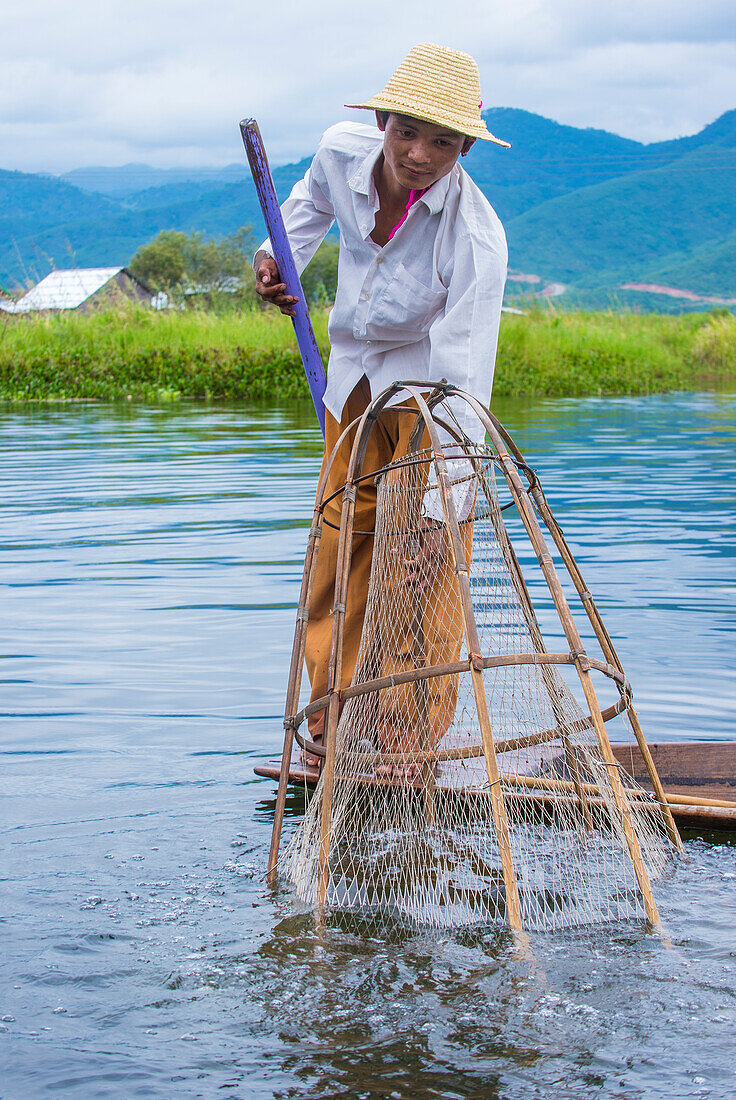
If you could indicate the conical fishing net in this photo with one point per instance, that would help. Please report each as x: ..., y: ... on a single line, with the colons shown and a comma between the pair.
x: 464, y: 778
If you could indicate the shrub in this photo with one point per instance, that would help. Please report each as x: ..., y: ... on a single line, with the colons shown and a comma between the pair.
x: 714, y: 346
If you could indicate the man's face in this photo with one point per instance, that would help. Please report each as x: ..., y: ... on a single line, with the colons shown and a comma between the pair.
x: 419, y: 153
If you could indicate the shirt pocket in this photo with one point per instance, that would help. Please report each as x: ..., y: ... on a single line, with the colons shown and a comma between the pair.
x: 405, y: 307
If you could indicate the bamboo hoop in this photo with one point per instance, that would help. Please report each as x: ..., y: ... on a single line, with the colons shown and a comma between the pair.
x: 450, y: 668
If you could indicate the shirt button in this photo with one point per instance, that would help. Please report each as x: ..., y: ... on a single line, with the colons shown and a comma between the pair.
x: 379, y: 259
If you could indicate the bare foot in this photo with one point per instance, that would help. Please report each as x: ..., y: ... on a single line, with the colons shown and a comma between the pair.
x: 397, y: 771
x: 309, y: 758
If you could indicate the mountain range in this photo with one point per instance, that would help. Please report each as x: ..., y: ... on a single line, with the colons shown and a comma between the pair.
x: 586, y: 212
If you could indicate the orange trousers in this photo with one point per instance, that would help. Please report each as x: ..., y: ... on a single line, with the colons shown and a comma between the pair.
x: 397, y: 719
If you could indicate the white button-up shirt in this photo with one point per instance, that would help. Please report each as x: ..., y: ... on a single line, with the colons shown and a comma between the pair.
x: 427, y: 305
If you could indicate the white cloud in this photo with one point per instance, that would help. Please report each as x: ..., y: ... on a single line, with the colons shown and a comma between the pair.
x: 167, y: 82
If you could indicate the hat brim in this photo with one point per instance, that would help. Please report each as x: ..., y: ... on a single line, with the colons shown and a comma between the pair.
x: 468, y: 127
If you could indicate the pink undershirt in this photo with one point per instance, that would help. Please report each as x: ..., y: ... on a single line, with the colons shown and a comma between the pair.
x: 414, y: 196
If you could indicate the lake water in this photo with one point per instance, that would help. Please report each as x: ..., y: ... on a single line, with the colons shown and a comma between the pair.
x: 150, y: 568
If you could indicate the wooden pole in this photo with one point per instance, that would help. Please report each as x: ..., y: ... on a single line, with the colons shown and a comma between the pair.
x: 602, y: 635
x: 421, y: 694
x: 297, y: 661
x: 310, y: 353
x: 291, y: 719
x: 513, y: 907
x: 419, y: 638
x: 611, y: 655
x: 342, y: 580
x: 536, y: 537
x: 535, y: 633
x: 693, y: 800
x: 335, y: 669
x: 527, y: 609
x: 449, y: 667
x: 292, y: 691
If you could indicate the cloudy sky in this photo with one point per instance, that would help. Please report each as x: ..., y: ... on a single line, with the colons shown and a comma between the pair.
x: 93, y: 82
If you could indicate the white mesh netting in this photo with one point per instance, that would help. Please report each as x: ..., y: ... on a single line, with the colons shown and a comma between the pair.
x: 412, y: 827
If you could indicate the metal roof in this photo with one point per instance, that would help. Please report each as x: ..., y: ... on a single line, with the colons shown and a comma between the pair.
x: 65, y: 289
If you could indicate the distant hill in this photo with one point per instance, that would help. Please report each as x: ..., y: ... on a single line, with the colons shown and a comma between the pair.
x: 629, y: 221
x: 93, y: 231
x: 28, y: 204
x: 583, y: 208
x: 130, y: 178
x: 546, y: 159
x: 718, y: 134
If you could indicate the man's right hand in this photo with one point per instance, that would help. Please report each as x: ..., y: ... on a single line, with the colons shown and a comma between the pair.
x: 269, y: 286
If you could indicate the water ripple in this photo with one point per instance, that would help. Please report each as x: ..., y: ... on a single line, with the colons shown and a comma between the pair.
x: 151, y: 568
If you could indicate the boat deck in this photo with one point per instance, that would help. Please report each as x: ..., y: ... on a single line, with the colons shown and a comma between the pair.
x: 691, y: 769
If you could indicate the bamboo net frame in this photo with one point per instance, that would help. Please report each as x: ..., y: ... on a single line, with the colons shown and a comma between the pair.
x: 462, y: 780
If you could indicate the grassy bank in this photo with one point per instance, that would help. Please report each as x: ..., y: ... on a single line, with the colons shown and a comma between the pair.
x: 141, y: 355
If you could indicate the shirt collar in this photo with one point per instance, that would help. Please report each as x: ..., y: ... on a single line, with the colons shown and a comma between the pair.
x: 362, y: 182
x: 436, y: 196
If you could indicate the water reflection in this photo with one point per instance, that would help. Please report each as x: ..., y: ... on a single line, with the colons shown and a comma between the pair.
x: 151, y: 562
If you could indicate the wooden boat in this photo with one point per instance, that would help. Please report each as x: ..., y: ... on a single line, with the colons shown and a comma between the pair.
x: 699, y: 778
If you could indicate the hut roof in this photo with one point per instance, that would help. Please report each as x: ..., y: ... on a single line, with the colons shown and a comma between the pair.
x: 66, y: 289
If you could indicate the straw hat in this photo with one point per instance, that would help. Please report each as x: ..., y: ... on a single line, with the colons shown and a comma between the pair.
x: 439, y: 85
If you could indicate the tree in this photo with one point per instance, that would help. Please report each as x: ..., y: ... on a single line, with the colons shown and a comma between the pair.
x: 319, y: 278
x: 218, y: 274
x: 194, y: 270
x: 161, y: 264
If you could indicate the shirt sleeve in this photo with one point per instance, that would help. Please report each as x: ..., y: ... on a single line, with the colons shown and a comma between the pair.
x: 463, y: 343
x: 308, y: 215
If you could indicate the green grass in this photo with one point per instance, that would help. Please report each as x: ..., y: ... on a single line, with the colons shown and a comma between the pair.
x: 141, y: 355
x: 582, y: 354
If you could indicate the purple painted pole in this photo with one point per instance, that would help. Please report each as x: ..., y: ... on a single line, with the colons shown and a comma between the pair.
x: 305, y: 338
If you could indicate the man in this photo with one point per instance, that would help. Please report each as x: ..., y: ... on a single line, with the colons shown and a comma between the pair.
x: 421, y: 275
